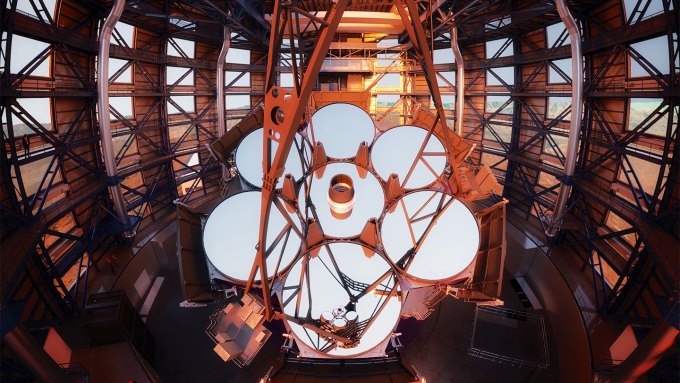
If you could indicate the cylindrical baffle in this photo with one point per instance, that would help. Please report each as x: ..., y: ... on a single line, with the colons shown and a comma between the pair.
x: 341, y: 196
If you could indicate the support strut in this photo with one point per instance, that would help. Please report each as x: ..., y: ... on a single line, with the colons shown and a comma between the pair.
x: 221, y: 125
x: 105, y: 135
x: 460, y: 80
x: 559, y: 211
x: 283, y: 113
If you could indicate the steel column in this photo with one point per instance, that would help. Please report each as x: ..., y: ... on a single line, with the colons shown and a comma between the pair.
x: 27, y: 349
x: 283, y: 111
x: 221, y: 124
x: 108, y: 151
x: 460, y: 80
x: 647, y: 354
x: 576, y: 116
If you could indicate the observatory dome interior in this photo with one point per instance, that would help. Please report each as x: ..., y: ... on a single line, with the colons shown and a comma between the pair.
x: 340, y: 191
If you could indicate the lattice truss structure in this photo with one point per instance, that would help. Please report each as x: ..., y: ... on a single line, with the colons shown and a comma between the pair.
x: 59, y: 222
x: 288, y: 112
x: 305, y: 261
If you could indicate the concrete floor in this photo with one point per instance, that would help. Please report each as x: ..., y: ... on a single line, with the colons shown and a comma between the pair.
x: 437, y: 347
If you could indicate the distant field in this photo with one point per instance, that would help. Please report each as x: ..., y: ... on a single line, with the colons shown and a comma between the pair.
x: 492, y: 106
x: 639, y: 110
x: 23, y: 129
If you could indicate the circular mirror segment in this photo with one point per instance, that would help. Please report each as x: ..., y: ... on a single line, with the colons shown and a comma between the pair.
x: 367, y: 199
x: 332, y: 309
x: 396, y: 151
x: 341, y: 128
x: 249, y: 157
x: 339, y: 300
x: 443, y: 251
x: 231, y: 234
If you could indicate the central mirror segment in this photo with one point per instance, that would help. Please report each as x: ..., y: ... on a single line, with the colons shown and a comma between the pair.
x: 341, y: 196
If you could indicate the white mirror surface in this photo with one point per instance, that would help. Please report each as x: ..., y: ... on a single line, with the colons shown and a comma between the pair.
x: 249, y: 158
x: 323, y: 291
x: 341, y: 128
x: 396, y: 150
x: 368, y: 200
x: 231, y: 234
x: 446, y: 250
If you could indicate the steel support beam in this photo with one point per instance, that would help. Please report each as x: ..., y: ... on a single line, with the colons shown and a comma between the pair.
x: 283, y: 112
x: 553, y: 226
x: 358, y: 22
x: 408, y: 11
x: 233, y: 21
x: 647, y: 354
x: 460, y: 80
x: 221, y: 124
x: 27, y: 349
x: 445, y: 22
x: 105, y: 135
x: 257, y: 16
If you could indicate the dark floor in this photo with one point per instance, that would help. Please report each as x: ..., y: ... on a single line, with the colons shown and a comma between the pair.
x: 437, y: 347
x: 439, y: 351
x: 184, y: 353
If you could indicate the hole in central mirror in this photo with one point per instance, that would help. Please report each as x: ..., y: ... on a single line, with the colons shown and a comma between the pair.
x: 341, y: 196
